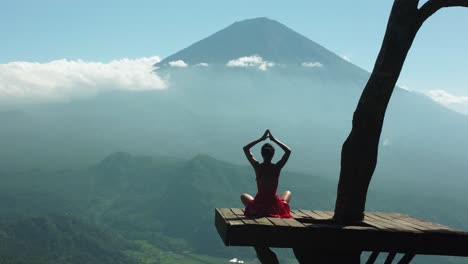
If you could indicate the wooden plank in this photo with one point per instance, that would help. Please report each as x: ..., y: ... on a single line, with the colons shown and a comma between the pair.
x: 237, y: 211
x: 433, y: 226
x: 251, y: 221
x: 240, y: 214
x: 313, y: 215
x: 230, y: 217
x: 293, y: 222
x: 411, y: 222
x: 301, y: 218
x: 330, y: 213
x: 393, y: 223
x: 248, y: 221
x: 278, y: 221
x: 408, y: 223
x: 299, y: 214
x: 295, y: 216
x: 323, y: 214
x: 264, y: 221
x: 378, y: 224
x: 400, y: 218
x: 418, y: 222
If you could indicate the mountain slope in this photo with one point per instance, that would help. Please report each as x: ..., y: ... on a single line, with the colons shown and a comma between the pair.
x: 265, y: 37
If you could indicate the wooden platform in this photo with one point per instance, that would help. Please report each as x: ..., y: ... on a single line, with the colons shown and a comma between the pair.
x: 379, y: 232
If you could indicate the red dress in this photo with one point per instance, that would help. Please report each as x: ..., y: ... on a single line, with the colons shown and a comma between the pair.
x: 267, y: 203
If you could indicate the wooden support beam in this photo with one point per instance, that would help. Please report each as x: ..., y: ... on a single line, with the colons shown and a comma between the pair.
x: 390, y: 258
x: 406, y: 258
x: 372, y: 257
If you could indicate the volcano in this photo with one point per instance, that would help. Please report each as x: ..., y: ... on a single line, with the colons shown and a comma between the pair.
x: 303, y: 92
x: 264, y: 37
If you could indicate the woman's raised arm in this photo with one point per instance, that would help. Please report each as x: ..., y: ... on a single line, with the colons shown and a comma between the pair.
x: 247, y: 148
x: 286, y: 149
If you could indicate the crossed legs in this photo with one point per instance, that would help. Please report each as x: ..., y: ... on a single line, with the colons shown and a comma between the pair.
x: 246, y: 198
x: 286, y: 196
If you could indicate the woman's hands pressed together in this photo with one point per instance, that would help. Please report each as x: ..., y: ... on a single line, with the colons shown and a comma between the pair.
x: 265, y: 135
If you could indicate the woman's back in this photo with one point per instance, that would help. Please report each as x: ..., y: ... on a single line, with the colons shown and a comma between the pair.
x: 267, y: 176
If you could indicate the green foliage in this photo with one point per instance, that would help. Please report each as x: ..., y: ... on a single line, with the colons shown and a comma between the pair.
x: 60, y: 239
x: 146, y: 253
x: 166, y: 206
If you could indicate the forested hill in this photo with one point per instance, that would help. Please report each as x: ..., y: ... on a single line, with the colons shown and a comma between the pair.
x: 129, y: 207
x: 60, y: 239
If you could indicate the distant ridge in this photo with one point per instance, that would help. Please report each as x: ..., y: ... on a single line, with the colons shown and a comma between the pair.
x: 262, y: 36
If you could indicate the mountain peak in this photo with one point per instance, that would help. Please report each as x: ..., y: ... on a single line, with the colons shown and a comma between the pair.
x: 263, y: 37
x: 203, y: 159
x: 257, y: 21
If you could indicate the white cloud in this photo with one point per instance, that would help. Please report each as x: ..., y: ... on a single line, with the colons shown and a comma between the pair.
x: 445, y: 98
x: 63, y: 79
x: 312, y: 64
x: 454, y: 102
x: 251, y: 61
x: 178, y: 63
x: 202, y: 64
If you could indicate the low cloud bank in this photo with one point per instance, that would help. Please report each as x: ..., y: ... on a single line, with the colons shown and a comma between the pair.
x: 445, y: 98
x: 62, y: 80
x: 454, y: 102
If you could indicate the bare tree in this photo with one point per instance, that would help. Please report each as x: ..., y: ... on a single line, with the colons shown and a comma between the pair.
x: 359, y: 152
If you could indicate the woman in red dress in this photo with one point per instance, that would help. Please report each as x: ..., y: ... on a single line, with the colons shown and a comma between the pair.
x: 267, y: 202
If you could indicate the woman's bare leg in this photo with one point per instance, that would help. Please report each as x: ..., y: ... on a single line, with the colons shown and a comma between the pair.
x: 246, y: 198
x: 286, y: 196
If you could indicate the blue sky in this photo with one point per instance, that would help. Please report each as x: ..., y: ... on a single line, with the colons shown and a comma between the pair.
x: 42, y: 31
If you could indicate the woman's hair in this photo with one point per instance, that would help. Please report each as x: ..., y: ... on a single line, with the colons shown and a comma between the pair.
x: 268, y: 151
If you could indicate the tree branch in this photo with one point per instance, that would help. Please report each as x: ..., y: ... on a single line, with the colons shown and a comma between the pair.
x: 432, y: 6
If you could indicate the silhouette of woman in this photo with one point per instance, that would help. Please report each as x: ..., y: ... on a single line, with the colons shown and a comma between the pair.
x: 267, y: 202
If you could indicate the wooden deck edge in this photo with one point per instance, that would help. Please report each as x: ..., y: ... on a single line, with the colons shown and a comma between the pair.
x: 235, y: 232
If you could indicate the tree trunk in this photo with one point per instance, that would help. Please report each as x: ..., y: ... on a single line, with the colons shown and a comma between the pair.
x: 359, y: 152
